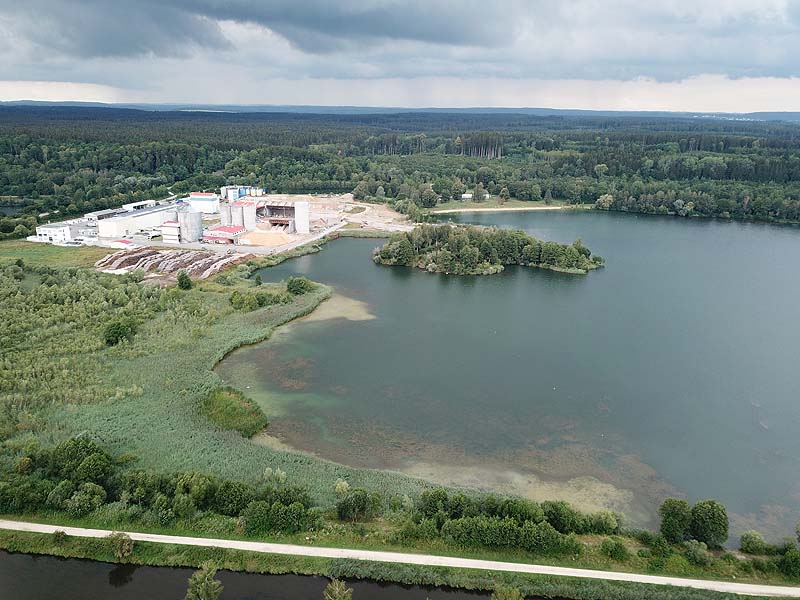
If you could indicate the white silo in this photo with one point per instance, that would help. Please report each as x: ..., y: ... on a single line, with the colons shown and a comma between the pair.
x: 191, y: 223
x: 225, y: 213
x: 302, y: 217
x: 237, y: 215
x: 249, y: 216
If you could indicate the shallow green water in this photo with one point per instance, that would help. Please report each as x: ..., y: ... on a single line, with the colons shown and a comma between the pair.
x: 673, y: 370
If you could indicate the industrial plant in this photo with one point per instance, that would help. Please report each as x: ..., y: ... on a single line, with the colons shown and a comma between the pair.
x: 237, y: 215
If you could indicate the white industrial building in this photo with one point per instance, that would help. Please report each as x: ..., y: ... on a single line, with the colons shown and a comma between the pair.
x: 187, y: 228
x: 54, y: 233
x: 203, y: 202
x: 171, y: 232
x: 234, y: 192
x: 131, y: 222
x: 142, y: 204
x: 291, y: 217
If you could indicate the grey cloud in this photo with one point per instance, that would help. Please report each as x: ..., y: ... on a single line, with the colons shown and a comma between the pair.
x: 90, y: 28
x: 133, y: 43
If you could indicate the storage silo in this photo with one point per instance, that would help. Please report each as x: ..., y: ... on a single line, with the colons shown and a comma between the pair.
x: 191, y: 223
x: 237, y: 215
x: 249, y: 215
x: 225, y: 213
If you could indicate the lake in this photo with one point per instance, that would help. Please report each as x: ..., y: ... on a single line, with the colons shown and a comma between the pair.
x: 27, y: 577
x: 672, y: 371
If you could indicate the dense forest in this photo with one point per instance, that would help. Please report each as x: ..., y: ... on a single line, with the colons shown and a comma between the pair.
x: 469, y: 250
x: 67, y: 161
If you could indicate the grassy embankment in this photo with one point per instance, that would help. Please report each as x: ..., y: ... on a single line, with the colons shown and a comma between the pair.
x: 187, y: 556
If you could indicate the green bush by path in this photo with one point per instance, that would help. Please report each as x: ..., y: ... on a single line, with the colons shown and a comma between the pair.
x: 231, y: 409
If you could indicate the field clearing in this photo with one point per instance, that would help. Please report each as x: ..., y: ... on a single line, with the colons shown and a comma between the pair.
x: 36, y: 253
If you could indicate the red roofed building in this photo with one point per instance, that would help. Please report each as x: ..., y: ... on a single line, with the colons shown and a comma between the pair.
x: 224, y: 234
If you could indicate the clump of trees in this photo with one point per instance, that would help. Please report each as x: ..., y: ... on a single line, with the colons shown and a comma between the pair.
x: 298, y: 285
x: 470, y: 250
x: 547, y: 529
x: 79, y: 477
x: 247, y: 301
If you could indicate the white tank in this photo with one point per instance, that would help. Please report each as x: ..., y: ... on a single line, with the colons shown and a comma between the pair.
x: 191, y: 223
x: 249, y: 215
x: 225, y: 213
x: 237, y: 215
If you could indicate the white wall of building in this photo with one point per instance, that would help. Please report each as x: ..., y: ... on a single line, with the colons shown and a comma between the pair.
x: 54, y: 233
x: 302, y: 220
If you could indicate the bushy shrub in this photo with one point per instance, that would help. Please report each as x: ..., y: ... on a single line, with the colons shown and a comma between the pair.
x: 184, y: 281
x: 87, y: 498
x: 563, y: 517
x: 710, y: 523
x: 790, y: 564
x: 615, y: 549
x: 697, y: 553
x: 676, y: 519
x: 120, y: 544
x: 119, y: 329
x: 540, y: 538
x: 231, y: 497
x: 752, y: 542
x: 57, y: 498
x: 358, y: 505
x: 298, y: 285
x: 603, y: 523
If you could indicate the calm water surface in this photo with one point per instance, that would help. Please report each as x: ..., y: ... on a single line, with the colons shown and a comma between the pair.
x: 26, y: 577
x: 672, y: 371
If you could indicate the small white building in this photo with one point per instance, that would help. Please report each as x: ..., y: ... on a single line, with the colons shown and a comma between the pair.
x: 171, y: 232
x: 54, y: 233
x: 203, y: 202
x: 466, y: 197
x: 224, y: 234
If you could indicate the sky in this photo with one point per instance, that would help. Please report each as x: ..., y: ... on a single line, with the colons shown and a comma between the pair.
x: 683, y: 55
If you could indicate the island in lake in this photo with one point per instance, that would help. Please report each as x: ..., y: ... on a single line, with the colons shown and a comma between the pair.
x: 470, y: 250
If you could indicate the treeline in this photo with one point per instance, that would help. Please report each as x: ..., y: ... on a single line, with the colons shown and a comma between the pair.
x: 470, y: 250
x: 82, y: 480
x: 546, y: 529
x: 66, y: 162
x: 78, y: 477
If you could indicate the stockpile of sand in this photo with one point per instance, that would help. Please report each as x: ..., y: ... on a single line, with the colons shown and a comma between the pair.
x: 267, y: 238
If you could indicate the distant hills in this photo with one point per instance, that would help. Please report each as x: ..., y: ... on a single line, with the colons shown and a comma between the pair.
x: 363, y: 110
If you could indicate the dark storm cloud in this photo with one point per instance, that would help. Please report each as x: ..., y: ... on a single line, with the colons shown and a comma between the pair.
x: 89, y: 28
x: 174, y: 27
x: 133, y: 43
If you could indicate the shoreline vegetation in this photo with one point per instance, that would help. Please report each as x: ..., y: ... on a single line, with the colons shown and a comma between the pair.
x: 108, y: 431
x: 472, y: 250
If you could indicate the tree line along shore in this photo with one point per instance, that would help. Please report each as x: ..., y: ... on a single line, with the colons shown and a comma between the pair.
x: 61, y: 162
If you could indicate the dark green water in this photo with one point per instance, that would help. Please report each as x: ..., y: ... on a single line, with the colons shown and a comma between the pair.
x: 672, y: 371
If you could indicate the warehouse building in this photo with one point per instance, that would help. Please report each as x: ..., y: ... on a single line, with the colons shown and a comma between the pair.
x: 132, y: 222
